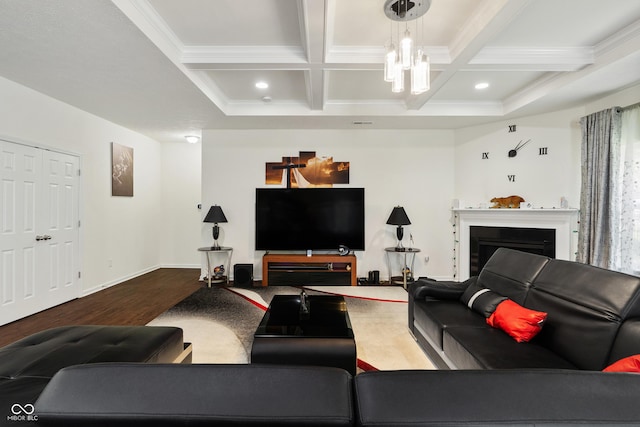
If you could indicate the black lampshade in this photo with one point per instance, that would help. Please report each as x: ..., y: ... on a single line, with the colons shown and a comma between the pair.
x: 215, y: 215
x: 398, y: 217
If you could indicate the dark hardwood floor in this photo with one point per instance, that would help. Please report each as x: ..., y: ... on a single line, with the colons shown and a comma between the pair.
x: 134, y: 302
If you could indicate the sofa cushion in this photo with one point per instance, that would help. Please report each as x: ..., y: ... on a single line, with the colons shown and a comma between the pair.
x: 496, y: 398
x: 489, y: 348
x: 510, y: 273
x: 431, y: 317
x: 627, y: 342
x: 521, y: 324
x: 172, y: 395
x: 586, y: 306
x: 481, y: 300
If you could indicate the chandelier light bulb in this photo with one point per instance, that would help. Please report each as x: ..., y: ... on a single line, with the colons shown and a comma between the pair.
x: 420, y: 74
x: 398, y: 78
x: 389, y: 63
x: 406, y: 50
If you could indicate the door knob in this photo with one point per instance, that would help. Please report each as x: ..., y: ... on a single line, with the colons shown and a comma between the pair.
x: 47, y: 237
x: 38, y: 238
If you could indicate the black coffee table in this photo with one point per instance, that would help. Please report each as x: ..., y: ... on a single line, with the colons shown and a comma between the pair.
x: 321, y: 336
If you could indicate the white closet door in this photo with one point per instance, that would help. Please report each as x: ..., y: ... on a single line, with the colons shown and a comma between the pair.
x: 58, y: 252
x: 39, y: 237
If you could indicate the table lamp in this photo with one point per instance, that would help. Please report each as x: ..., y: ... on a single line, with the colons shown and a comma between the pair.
x: 398, y: 217
x: 215, y: 215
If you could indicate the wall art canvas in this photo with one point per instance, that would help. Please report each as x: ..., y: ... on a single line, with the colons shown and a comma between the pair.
x: 121, y: 170
x: 307, y: 170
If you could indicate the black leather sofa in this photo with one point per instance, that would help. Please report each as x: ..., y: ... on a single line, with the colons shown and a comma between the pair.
x: 593, y: 315
x: 281, y: 395
x: 27, y: 365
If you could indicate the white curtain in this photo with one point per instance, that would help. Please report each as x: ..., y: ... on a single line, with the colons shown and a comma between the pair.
x: 625, y: 242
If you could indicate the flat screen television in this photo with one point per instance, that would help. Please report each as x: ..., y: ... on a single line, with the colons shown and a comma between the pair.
x: 309, y: 218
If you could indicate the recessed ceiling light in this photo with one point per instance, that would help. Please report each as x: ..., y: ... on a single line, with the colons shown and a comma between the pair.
x: 482, y: 85
x: 262, y: 85
x: 192, y: 139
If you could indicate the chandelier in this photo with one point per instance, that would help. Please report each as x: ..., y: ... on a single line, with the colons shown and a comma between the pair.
x: 403, y: 54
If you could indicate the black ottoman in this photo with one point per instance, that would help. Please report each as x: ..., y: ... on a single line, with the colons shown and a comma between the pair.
x: 27, y: 365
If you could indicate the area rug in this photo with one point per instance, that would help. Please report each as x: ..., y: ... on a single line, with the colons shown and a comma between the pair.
x: 220, y: 322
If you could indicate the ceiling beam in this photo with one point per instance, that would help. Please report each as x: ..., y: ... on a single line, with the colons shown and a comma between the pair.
x: 313, y: 22
x: 491, y: 18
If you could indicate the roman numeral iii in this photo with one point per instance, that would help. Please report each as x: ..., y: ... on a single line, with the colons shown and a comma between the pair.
x: 543, y: 151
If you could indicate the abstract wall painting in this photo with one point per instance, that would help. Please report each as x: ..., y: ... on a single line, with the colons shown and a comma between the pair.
x: 306, y: 171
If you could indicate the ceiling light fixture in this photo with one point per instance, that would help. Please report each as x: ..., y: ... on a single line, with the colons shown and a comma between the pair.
x: 396, y: 62
x: 192, y: 139
x: 482, y: 85
x: 262, y: 85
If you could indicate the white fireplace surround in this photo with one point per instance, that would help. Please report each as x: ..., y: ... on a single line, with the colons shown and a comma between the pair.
x: 563, y: 221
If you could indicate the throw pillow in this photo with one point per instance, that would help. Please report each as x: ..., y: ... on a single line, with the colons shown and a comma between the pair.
x: 628, y: 364
x: 519, y: 322
x: 481, y: 299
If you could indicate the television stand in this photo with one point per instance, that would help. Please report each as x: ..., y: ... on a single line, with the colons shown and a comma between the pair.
x: 300, y: 269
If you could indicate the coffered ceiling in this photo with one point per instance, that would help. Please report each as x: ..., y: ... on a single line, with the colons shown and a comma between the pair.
x: 168, y: 67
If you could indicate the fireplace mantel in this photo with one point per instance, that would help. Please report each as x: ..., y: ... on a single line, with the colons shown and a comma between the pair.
x: 564, y: 221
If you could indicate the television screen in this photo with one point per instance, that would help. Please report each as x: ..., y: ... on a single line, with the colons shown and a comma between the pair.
x: 309, y: 218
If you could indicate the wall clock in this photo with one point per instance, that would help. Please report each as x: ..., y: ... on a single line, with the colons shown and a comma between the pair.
x: 514, y: 150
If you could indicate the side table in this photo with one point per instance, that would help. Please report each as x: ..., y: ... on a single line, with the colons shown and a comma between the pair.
x: 211, y: 251
x: 406, y: 275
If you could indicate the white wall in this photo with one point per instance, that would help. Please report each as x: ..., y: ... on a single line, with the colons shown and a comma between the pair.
x: 408, y: 168
x: 179, y: 230
x: 122, y: 230
x: 539, y: 179
x: 624, y: 98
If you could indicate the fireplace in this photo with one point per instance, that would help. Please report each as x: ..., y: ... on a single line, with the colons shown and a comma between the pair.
x: 484, y: 241
x: 562, y: 223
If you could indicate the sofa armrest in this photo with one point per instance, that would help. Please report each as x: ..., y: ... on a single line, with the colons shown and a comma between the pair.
x: 444, y: 290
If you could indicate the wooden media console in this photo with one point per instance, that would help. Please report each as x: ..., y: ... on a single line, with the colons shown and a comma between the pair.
x: 300, y: 269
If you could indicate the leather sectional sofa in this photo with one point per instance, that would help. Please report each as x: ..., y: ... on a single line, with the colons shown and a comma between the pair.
x: 285, y: 395
x: 593, y: 315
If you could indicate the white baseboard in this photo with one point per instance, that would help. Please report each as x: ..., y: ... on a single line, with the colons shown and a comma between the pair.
x: 106, y: 285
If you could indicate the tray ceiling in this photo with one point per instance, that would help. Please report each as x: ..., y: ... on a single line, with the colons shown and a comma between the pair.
x: 164, y: 67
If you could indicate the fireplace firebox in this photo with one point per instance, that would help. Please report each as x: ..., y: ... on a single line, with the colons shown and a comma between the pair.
x: 484, y: 241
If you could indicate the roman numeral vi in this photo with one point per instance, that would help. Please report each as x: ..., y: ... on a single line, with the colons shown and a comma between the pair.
x: 511, y: 178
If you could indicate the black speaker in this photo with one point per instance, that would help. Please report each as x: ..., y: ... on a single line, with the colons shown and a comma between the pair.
x: 243, y: 275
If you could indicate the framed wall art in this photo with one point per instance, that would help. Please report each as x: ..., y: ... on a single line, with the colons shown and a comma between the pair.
x: 121, y: 170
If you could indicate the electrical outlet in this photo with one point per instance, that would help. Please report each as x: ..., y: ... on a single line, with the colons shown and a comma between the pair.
x: 426, y: 258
